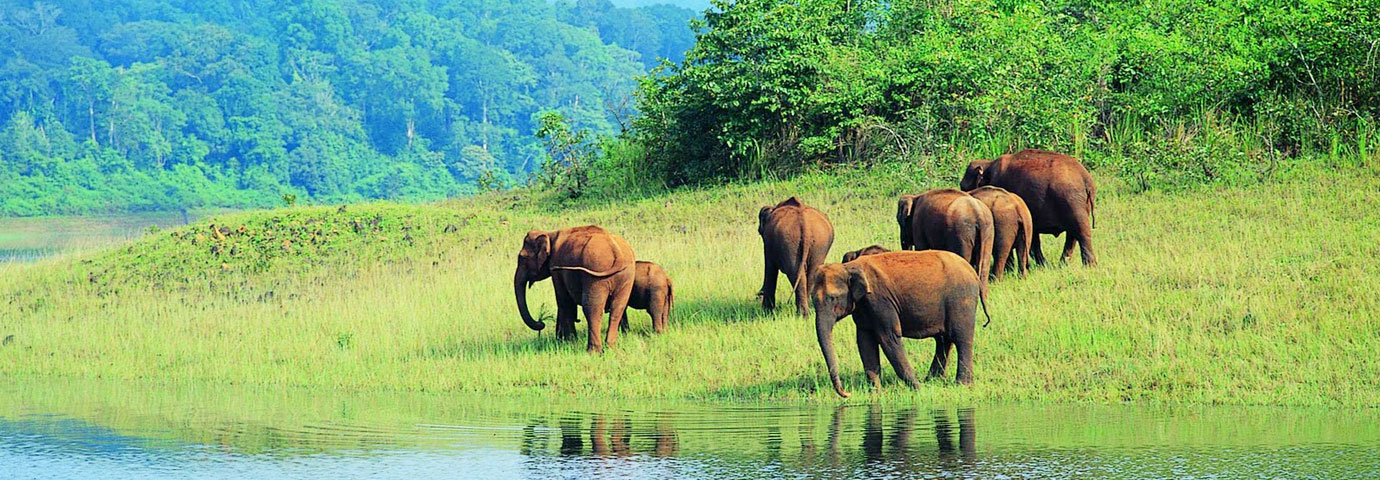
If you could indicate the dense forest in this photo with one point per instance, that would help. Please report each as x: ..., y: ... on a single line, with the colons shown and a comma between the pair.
x: 153, y: 104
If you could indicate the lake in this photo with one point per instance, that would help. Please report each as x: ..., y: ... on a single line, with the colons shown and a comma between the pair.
x: 70, y: 429
x: 29, y: 239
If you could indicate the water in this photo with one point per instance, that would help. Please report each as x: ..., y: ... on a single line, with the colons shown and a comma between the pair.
x: 29, y: 239
x: 105, y: 430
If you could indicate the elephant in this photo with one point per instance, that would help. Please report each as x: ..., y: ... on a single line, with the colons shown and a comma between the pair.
x: 589, y: 267
x: 872, y: 250
x: 1012, y: 228
x: 930, y: 293
x: 1058, y: 190
x: 903, y: 206
x: 947, y: 219
x: 652, y: 291
x: 795, y: 240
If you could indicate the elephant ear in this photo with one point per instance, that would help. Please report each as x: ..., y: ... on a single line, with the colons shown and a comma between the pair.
x: 540, y: 243
x: 903, y: 208
x: 858, y: 284
x: 762, y: 217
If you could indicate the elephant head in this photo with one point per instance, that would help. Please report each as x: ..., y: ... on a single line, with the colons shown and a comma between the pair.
x: 764, y: 215
x: 533, y: 265
x: 903, y: 207
x: 836, y: 290
x: 975, y: 176
x: 872, y: 250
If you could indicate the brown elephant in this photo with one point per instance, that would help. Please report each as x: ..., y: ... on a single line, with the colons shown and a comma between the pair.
x: 652, y: 291
x: 795, y: 240
x: 947, y: 219
x: 589, y: 267
x: 924, y: 294
x: 1058, y: 190
x: 1012, y: 228
x: 872, y: 250
x: 903, y: 206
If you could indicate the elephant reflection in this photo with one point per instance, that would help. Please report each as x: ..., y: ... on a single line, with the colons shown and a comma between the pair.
x: 607, y: 437
x: 890, y: 437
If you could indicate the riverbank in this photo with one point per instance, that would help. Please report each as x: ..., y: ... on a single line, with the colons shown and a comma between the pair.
x: 1257, y: 295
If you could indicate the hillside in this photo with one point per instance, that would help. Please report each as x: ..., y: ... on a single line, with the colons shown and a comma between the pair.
x: 137, y: 105
x: 1247, y: 295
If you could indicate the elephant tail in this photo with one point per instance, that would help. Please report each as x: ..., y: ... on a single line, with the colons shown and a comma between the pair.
x: 1092, y: 204
x: 982, y: 297
x: 800, y: 270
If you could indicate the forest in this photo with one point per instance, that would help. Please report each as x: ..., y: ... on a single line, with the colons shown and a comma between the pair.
x: 1164, y: 93
x: 129, y: 105
x: 158, y: 104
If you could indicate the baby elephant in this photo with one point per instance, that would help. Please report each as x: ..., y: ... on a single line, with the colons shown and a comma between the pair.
x: 872, y: 250
x: 652, y: 292
x: 1012, y: 228
x: 909, y: 294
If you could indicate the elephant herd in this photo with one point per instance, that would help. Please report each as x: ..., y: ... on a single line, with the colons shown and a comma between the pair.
x: 951, y: 240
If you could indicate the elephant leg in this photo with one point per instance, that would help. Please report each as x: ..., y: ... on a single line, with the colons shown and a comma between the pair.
x: 659, y: 309
x: 1085, y: 242
x: 963, y: 343
x: 567, y: 311
x: 890, y: 341
x: 1035, y: 251
x: 871, y: 359
x: 623, y: 327
x: 1022, y: 256
x: 1001, y: 251
x: 802, y: 296
x: 941, y: 357
x: 619, y: 297
x: 768, y: 292
x: 594, y: 305
x: 1070, y: 240
x: 565, y: 324
x: 966, y: 246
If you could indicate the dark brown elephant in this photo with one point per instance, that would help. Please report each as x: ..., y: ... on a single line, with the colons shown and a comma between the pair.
x: 947, y: 219
x: 872, y: 250
x: 924, y: 294
x: 903, y: 206
x: 589, y: 267
x: 1012, y: 228
x: 1058, y: 190
x: 652, y: 291
x: 795, y: 240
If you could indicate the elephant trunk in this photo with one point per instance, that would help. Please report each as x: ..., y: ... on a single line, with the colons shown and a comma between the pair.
x: 824, y: 330
x: 520, y: 286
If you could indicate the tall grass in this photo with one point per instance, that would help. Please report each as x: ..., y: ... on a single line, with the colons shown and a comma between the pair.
x: 1260, y: 295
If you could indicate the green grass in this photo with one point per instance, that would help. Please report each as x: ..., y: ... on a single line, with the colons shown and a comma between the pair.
x: 1253, y: 295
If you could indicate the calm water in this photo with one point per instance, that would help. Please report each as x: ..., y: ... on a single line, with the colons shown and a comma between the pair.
x: 29, y: 239
x: 70, y: 430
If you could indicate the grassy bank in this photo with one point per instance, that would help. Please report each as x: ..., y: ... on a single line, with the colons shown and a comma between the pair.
x: 1254, y: 295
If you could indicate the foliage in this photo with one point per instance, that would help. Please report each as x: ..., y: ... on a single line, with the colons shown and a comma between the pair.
x: 569, y: 151
x: 1200, y: 91
x: 159, y: 104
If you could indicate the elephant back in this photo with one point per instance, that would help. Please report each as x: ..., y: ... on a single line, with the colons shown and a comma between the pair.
x: 591, y: 249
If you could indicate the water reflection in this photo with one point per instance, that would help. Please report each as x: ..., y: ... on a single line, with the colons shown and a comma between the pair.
x: 118, y: 431
x: 605, y: 435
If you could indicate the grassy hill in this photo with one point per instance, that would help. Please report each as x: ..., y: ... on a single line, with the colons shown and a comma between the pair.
x: 1260, y: 294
